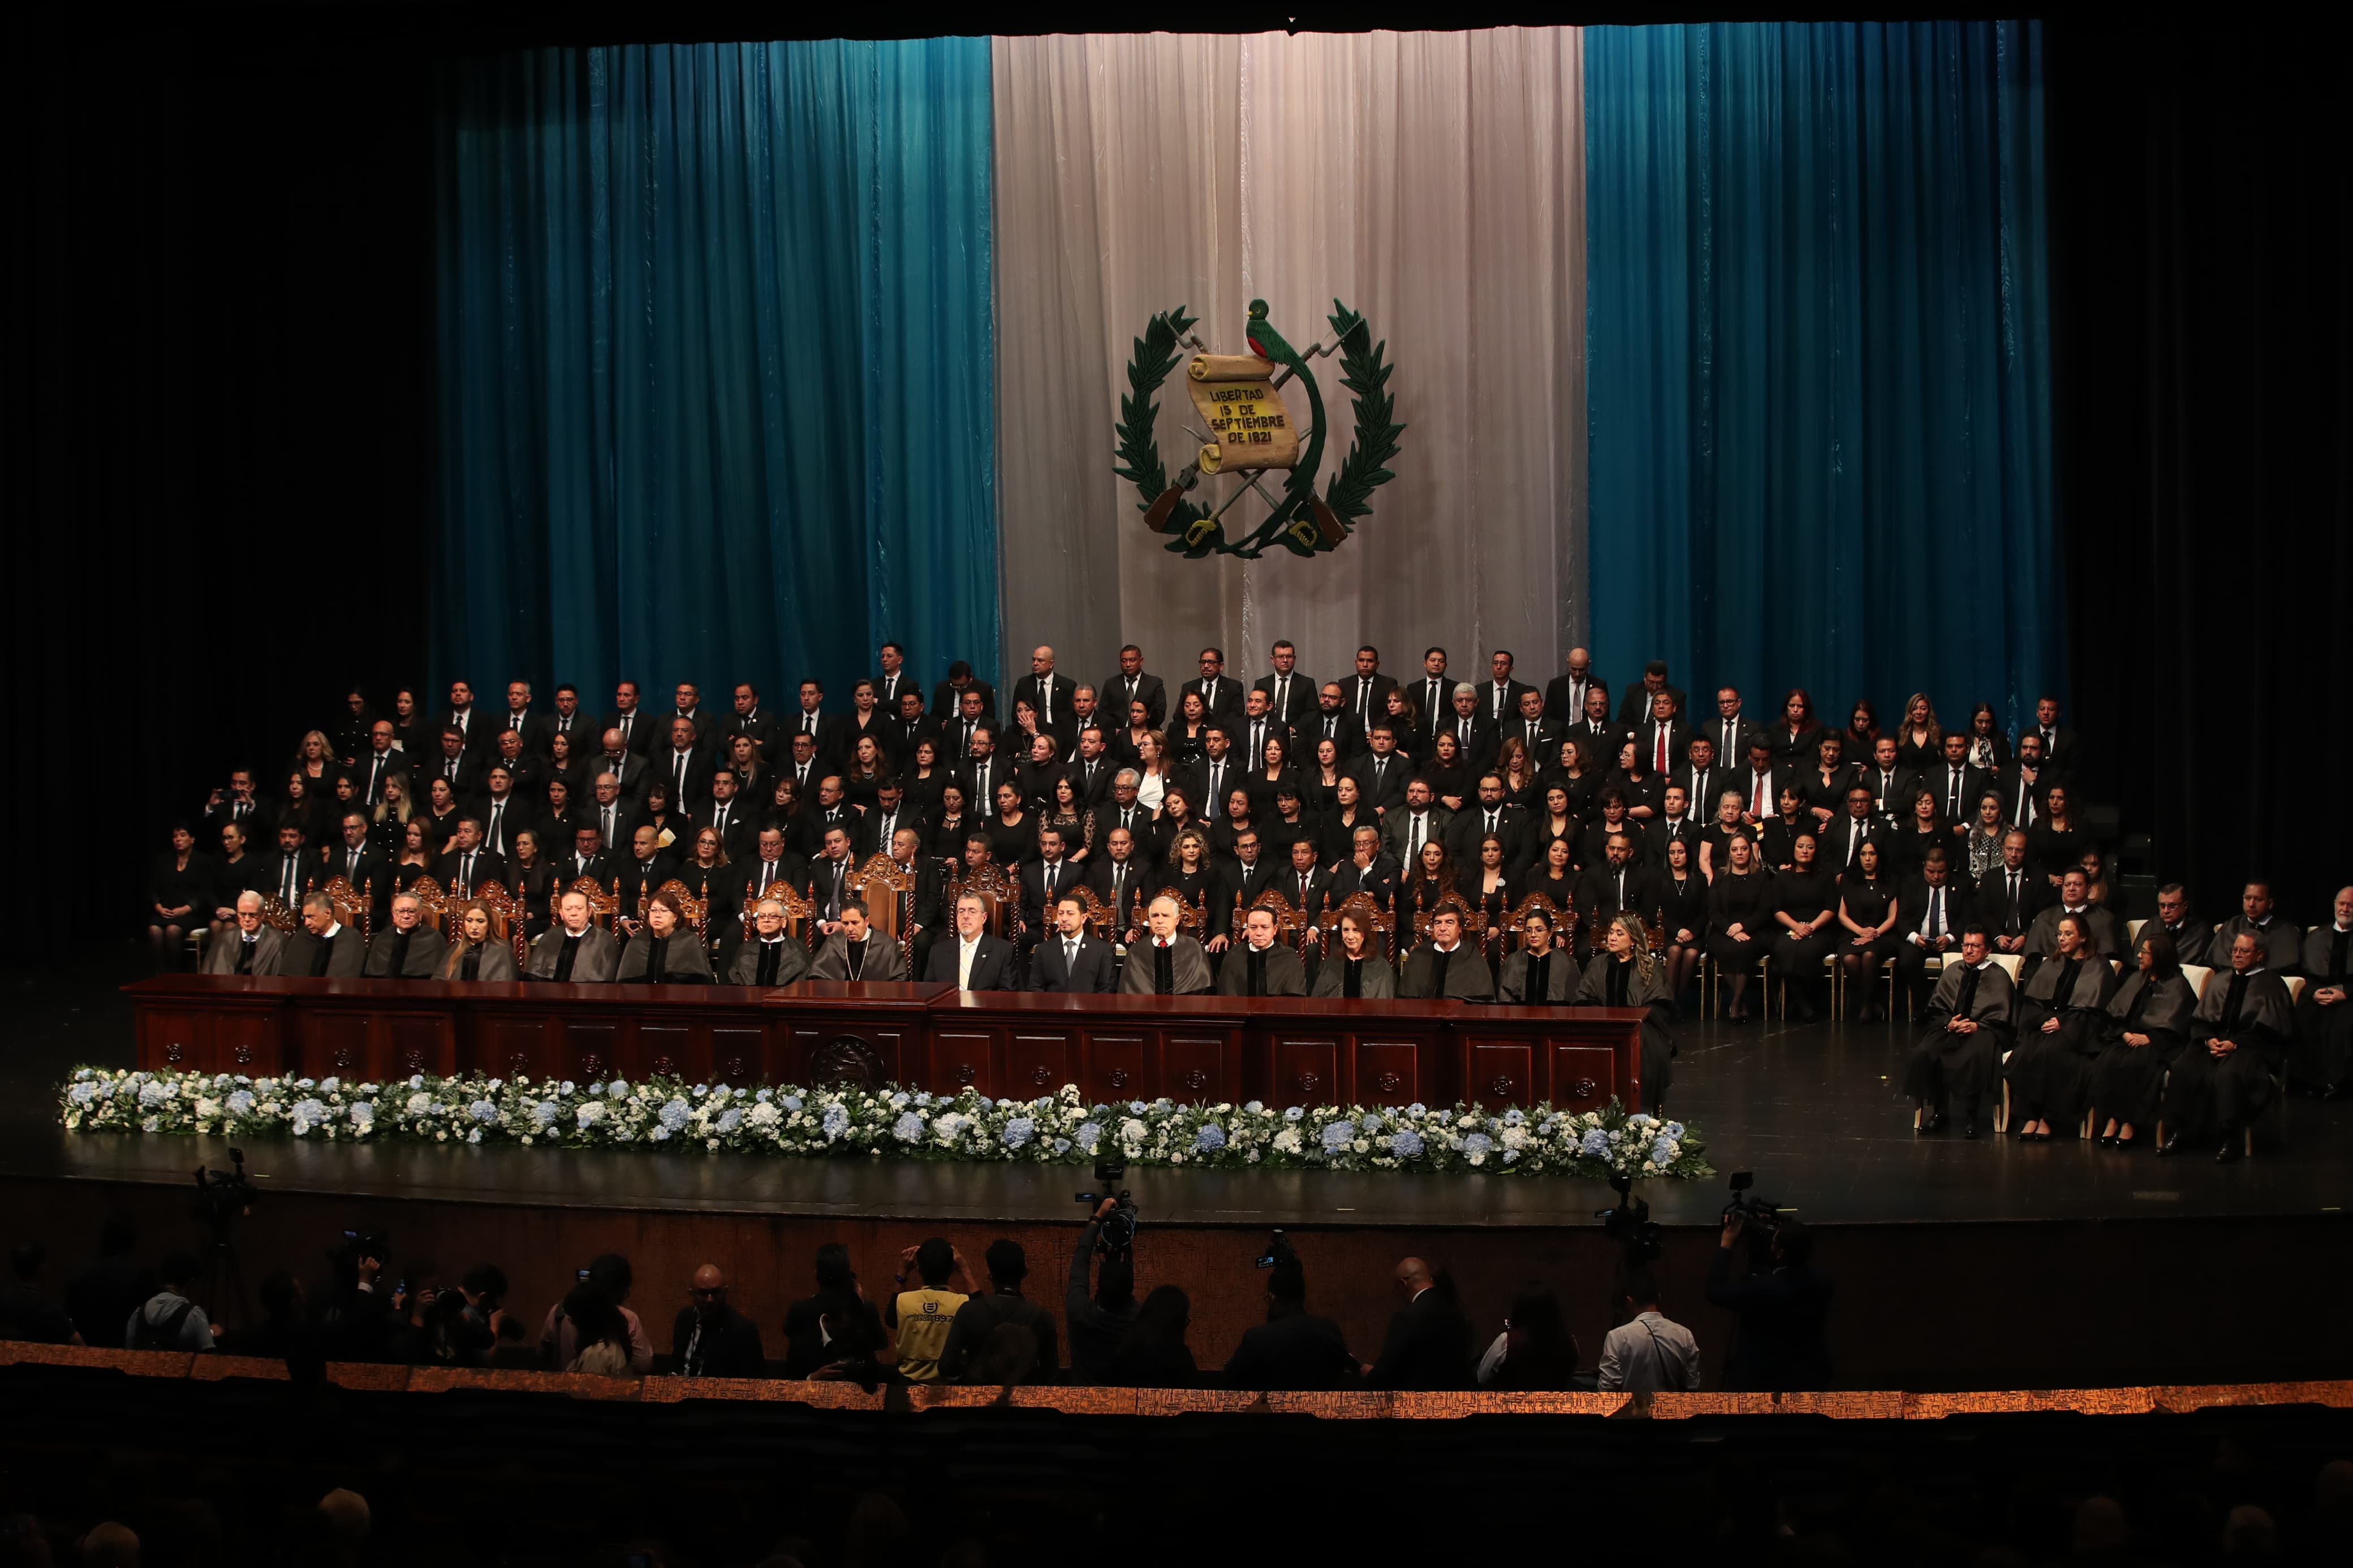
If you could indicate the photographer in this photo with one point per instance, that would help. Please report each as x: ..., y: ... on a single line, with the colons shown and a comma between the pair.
x: 921, y: 1318
x: 1099, y: 1323
x: 170, y: 1320
x: 1293, y: 1350
x: 462, y: 1327
x: 979, y: 1317
x: 359, y: 1318
x: 1779, y: 1345
x: 1649, y: 1351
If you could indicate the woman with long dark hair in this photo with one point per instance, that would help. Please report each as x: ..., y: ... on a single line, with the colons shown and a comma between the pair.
x: 2062, y: 1016
x: 1796, y: 737
x: 1861, y: 734
x: 1683, y: 915
x: 1989, y: 747
x: 1805, y: 900
x: 179, y: 895
x: 1536, y: 1353
x: 1626, y: 973
x: 2148, y: 1026
x: 1740, y: 922
x: 1868, y: 915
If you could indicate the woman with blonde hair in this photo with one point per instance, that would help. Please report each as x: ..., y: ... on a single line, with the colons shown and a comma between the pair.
x: 474, y: 953
x: 1919, y: 738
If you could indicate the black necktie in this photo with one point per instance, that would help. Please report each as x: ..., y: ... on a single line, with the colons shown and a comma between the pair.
x: 245, y: 954
x: 2013, y: 898
x: 1967, y: 992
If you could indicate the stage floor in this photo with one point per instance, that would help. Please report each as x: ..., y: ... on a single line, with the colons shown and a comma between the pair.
x: 1812, y: 1110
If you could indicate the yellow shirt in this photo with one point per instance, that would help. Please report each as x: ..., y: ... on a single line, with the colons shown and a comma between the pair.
x: 923, y: 1319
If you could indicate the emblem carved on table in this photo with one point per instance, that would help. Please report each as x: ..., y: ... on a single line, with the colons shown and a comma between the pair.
x: 415, y: 1059
x: 1308, y: 1081
x: 343, y: 1060
x: 734, y: 1068
x: 1041, y: 1075
x: 1501, y: 1084
x: 1387, y: 1082
x: 1585, y: 1088
x: 964, y: 1073
x: 516, y: 1064
x: 244, y: 1054
x: 846, y: 1059
x: 174, y: 1052
x: 1118, y: 1077
x: 592, y: 1064
x: 664, y: 1065
x: 1196, y: 1079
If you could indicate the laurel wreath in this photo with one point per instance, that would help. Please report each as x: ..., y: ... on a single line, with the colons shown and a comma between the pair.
x: 1364, y: 371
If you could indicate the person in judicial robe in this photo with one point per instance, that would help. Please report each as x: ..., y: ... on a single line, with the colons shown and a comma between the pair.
x: 2322, y: 1060
x: 1446, y: 965
x: 2061, y: 1018
x: 2193, y: 939
x: 1262, y: 966
x: 573, y: 950
x: 665, y: 951
x: 2102, y: 935
x: 773, y: 956
x: 856, y: 952
x: 1536, y: 972
x: 322, y: 947
x: 1166, y: 963
x: 1355, y: 969
x: 473, y: 952
x: 1626, y: 973
x: 1968, y: 1027
x: 2238, y: 1038
x: 2147, y: 1027
x: 2283, y: 941
x: 407, y: 949
x: 253, y: 947
x: 1072, y: 959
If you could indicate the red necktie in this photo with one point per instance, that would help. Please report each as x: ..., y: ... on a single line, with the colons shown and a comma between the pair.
x: 1661, y: 766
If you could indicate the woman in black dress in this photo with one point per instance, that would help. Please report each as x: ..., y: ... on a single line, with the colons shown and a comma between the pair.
x: 1336, y: 829
x: 1740, y: 924
x: 179, y: 895
x: 1076, y: 827
x: 1175, y: 816
x: 661, y: 814
x: 1274, y: 770
x: 862, y: 781
x: 753, y: 778
x: 1989, y: 747
x: 311, y: 813
x: 2148, y: 1026
x: 1555, y: 822
x: 1517, y: 771
x: 1862, y: 735
x: 706, y: 870
x: 1188, y: 737
x: 1796, y: 737
x: 1575, y: 770
x: 1868, y: 917
x: 1805, y: 904
x: 534, y: 880
x: 1553, y: 874
x: 418, y: 859
x: 1921, y: 828
x: 1919, y: 738
x: 1633, y: 779
x: 1012, y: 832
x: 1824, y: 785
x: 1779, y: 840
x: 560, y: 824
x: 1189, y: 872
x: 954, y: 824
x: 1448, y: 776
x: 1727, y: 823
x: 314, y: 759
x: 1490, y: 886
x: 441, y: 814
x: 1426, y: 884
x: 2062, y: 1017
x: 1319, y: 789
x: 2056, y: 845
x: 413, y: 730
x: 1288, y: 821
x: 1239, y: 816
x: 1683, y: 915
x: 1405, y: 723
x: 924, y: 780
x: 562, y: 763
x: 1593, y: 844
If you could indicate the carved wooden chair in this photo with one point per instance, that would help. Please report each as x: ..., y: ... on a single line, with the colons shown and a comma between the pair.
x: 888, y: 891
x: 1361, y: 904
x: 603, y: 904
x: 278, y: 916
x: 800, y: 914
x: 432, y: 903
x: 353, y: 907
x: 1288, y: 924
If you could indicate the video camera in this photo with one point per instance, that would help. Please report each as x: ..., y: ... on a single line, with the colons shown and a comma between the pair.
x: 1277, y: 1251
x: 1760, y: 1218
x: 1118, y: 1232
x: 223, y: 1195
x: 1629, y: 1224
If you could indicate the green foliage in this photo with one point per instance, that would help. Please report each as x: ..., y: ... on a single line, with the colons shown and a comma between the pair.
x: 1157, y: 353
x: 1363, y: 372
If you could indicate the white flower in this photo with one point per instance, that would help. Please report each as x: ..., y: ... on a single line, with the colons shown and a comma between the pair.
x: 1287, y: 1140
x: 419, y: 1104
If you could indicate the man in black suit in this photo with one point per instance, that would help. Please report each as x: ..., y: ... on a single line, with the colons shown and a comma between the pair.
x: 616, y: 819
x: 295, y: 869
x: 1620, y: 885
x: 1957, y: 784
x: 1599, y: 734
x: 1221, y: 692
x: 1490, y: 814
x: 461, y: 767
x: 1368, y: 871
x: 1072, y: 959
x: 822, y: 728
x: 1048, y: 693
x: 1123, y: 810
x: 519, y: 716
x: 982, y: 772
x: 1427, y: 1346
x: 1090, y: 769
x: 684, y: 766
x: 501, y: 812
x: 1251, y: 872
x: 1044, y: 880
x: 1133, y: 684
x: 381, y: 760
x: 1499, y: 697
x: 587, y: 858
x: 879, y: 827
x: 1260, y: 966
x: 1665, y: 737
x: 637, y: 729
x: 971, y: 960
x: 687, y: 703
x: 910, y: 727
x: 359, y: 863
x: 924, y: 911
x: 1892, y: 788
x: 2057, y: 739
x: 737, y: 819
x: 566, y: 719
x: 1640, y: 701
x: 1673, y: 823
x: 1381, y: 774
x: 1333, y: 720
x: 1935, y: 911
x: 1306, y: 886
x: 1464, y: 719
x: 769, y: 866
x: 947, y: 697
x: 1532, y: 730
x: 1368, y: 690
x: 2023, y: 783
x: 751, y: 719
x: 895, y: 681
x: 1729, y: 731
x: 1432, y: 692
x: 1843, y: 838
x: 468, y: 865
x: 1704, y: 782
x: 802, y: 765
x: 1565, y: 693
x: 1760, y: 783
x: 2009, y: 896
x: 321, y: 948
x: 1214, y: 777
x: 1122, y: 878
x: 629, y: 769
x: 828, y: 879
x: 479, y: 729
x: 1259, y: 722
x: 1289, y: 696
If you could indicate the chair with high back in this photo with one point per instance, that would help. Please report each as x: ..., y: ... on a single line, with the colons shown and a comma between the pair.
x: 432, y: 904
x: 353, y: 907
x: 1363, y: 906
x: 888, y: 891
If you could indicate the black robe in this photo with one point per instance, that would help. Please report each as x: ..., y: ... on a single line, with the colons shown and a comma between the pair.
x: 2050, y: 1073
x: 2323, y: 1053
x: 2126, y: 1080
x: 1945, y: 1065
x: 2204, y: 1091
x: 1609, y: 982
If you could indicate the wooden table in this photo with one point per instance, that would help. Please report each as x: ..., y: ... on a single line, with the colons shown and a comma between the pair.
x: 1283, y: 1050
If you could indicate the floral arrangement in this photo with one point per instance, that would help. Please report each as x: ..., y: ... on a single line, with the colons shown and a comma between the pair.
x: 717, y: 1117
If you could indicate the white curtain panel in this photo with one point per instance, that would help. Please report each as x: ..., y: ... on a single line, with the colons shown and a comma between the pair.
x: 1434, y: 182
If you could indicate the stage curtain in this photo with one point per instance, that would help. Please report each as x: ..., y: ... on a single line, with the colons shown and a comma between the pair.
x: 1434, y: 182
x: 716, y: 385
x: 1819, y: 372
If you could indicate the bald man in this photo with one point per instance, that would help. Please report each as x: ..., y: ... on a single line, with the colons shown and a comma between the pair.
x: 1166, y: 963
x: 1046, y: 691
x: 1429, y: 1340
x: 711, y: 1338
x: 407, y: 949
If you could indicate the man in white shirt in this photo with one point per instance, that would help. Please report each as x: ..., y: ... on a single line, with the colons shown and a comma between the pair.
x: 1650, y: 1351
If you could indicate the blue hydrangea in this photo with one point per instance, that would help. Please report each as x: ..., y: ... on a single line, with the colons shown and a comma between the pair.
x: 835, y: 1121
x: 1372, y: 1122
x: 1662, y: 1150
x: 1514, y: 1117
x: 1210, y: 1139
x: 791, y: 1102
x: 985, y: 1103
x: 416, y: 1080
x: 363, y: 1115
x: 155, y: 1094
x: 1675, y: 1130
x: 1135, y: 1108
x: 900, y: 1102
x: 475, y: 1136
x: 1294, y: 1113
x: 1254, y: 1107
x: 673, y: 1115
x: 659, y: 1135
x: 1089, y: 1131
x: 1337, y: 1135
x: 484, y: 1111
x: 1405, y: 1143
x: 83, y: 1093
x: 1596, y: 1143
x: 1019, y: 1132
x: 1510, y: 1155
x: 730, y: 1120
x: 1164, y: 1104
x: 309, y: 1111
x: 546, y: 1112
x: 1061, y: 1145
x: 766, y: 1095
x: 240, y: 1103
x: 330, y: 1084
x: 1417, y: 1110
x: 565, y: 1087
x: 923, y: 1098
x: 1478, y: 1143
x: 908, y: 1128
